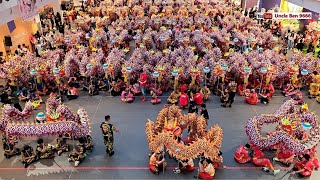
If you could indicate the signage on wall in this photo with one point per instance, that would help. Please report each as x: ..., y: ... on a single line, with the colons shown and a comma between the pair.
x: 29, y: 8
x: 6, y: 4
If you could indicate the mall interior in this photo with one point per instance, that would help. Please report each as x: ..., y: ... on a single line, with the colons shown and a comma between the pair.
x: 159, y: 89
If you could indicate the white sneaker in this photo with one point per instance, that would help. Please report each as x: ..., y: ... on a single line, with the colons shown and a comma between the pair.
x: 275, y: 172
x: 176, y: 170
x: 265, y: 169
x: 69, y: 159
x: 76, y: 163
x: 276, y: 159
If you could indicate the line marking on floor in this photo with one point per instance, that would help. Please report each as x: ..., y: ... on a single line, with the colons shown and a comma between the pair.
x: 119, y: 168
x: 254, y: 110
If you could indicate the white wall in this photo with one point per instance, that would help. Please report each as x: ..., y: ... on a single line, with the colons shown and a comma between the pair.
x: 9, y: 14
x: 313, y: 5
x: 5, y: 4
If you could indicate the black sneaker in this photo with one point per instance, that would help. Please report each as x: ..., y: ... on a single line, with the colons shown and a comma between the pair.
x: 111, y: 154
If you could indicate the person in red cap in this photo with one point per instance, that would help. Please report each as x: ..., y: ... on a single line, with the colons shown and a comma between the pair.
x: 242, y: 154
x: 143, y: 84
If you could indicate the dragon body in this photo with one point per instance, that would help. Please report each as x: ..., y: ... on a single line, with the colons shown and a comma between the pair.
x: 207, y: 143
x: 77, y: 125
x: 289, y: 140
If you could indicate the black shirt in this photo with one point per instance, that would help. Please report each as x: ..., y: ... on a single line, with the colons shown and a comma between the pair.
x: 193, y: 109
x: 28, y: 152
x: 300, y: 46
x: 205, y: 114
x: 5, y: 98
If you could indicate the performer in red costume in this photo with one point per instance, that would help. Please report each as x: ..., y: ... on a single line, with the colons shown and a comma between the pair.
x: 198, y: 98
x: 186, y: 165
x: 157, y: 162
x: 241, y: 89
x: 184, y: 88
x: 217, y: 164
x: 283, y: 155
x: 260, y: 160
x: 184, y: 98
x: 242, y: 155
x: 206, y: 170
x: 143, y: 84
x: 313, y: 156
x: 189, y: 139
x: 304, y: 167
x: 271, y: 89
x: 253, y: 98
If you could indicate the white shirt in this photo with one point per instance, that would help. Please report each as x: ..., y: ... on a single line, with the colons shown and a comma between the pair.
x: 190, y: 163
x: 25, y: 50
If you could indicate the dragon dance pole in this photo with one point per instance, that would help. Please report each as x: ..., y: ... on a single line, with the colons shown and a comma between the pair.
x: 206, y: 71
x: 263, y: 70
x: 34, y: 73
x: 155, y: 75
x: 304, y: 73
x: 56, y: 74
x: 73, y: 141
x: 105, y: 68
x: 129, y: 70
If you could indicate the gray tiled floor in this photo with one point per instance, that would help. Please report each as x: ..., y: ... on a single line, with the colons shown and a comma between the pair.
x: 131, y: 158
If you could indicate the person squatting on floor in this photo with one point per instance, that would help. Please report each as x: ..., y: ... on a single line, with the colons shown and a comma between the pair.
x: 62, y: 145
x: 107, y: 129
x: 185, y: 165
x: 206, y: 170
x: 28, y: 156
x: 242, y: 154
x: 44, y: 150
x: 78, y: 154
x: 259, y: 159
x: 9, y: 148
x: 157, y: 162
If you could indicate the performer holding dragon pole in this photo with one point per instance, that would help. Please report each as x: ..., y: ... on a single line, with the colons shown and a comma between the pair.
x: 28, y: 156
